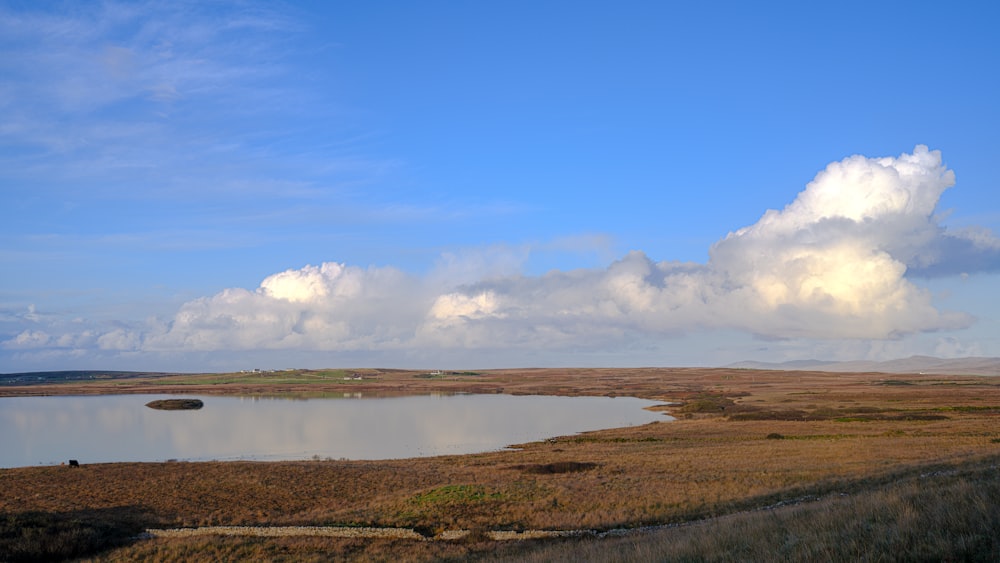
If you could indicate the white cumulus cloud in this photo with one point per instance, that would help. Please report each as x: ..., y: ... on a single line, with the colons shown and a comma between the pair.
x: 833, y: 264
x: 326, y: 307
x: 27, y: 339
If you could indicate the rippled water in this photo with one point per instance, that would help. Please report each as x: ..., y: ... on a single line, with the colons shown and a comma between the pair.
x: 109, y: 428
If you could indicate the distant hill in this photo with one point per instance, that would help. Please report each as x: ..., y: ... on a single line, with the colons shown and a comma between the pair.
x: 39, y: 377
x: 913, y: 364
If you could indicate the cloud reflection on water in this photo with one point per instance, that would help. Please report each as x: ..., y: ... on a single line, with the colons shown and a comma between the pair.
x: 47, y: 430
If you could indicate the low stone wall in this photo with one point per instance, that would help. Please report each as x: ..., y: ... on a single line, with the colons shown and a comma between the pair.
x: 351, y: 532
x: 287, y: 531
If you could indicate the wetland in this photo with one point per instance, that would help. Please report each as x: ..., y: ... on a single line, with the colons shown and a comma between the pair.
x: 757, y: 465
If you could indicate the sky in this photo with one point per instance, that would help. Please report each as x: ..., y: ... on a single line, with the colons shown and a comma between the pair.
x: 216, y: 185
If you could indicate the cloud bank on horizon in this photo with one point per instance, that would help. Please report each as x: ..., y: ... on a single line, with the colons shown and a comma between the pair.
x: 841, y: 261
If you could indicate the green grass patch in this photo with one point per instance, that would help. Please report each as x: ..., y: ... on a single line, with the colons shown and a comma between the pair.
x: 968, y: 408
x: 455, y: 494
x: 447, y: 374
x: 260, y: 378
x: 326, y: 374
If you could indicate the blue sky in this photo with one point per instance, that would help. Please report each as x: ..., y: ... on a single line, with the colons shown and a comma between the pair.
x: 210, y: 185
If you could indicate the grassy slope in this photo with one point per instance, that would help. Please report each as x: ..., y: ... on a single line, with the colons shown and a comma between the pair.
x: 945, y: 515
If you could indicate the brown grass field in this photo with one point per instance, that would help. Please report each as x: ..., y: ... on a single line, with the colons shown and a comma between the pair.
x: 849, y: 467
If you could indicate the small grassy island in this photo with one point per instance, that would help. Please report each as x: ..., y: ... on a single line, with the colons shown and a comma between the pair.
x: 176, y: 404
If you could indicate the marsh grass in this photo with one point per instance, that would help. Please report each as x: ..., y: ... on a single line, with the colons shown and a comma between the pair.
x: 717, y: 463
x: 454, y: 494
x: 556, y: 467
x: 933, y: 513
x: 55, y: 536
x: 952, y: 515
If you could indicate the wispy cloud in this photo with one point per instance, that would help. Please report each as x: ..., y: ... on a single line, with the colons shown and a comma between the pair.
x: 123, y: 93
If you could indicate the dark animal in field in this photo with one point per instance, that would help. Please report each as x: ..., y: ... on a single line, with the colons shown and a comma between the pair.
x: 74, y: 463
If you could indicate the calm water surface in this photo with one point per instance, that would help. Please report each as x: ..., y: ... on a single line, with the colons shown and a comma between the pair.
x: 110, y: 428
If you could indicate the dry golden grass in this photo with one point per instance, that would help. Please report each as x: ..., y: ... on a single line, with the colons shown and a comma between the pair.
x: 742, y: 439
x: 943, y: 515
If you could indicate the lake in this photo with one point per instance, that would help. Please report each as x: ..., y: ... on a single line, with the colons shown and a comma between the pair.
x: 116, y: 428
